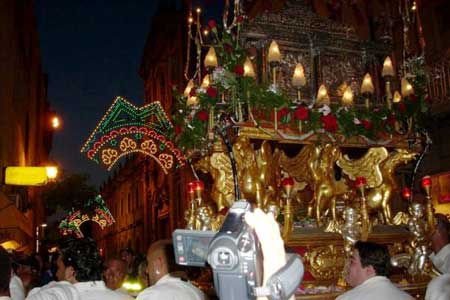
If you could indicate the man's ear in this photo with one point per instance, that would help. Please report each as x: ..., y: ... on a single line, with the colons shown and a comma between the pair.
x: 370, y: 271
x: 69, y: 274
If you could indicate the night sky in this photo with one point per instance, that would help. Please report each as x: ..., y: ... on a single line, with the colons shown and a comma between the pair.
x: 91, y: 51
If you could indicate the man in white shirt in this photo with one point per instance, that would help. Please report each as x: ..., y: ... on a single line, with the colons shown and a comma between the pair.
x: 160, y: 256
x: 16, y: 288
x: 81, y: 265
x: 115, y: 273
x: 439, y: 288
x: 61, y: 290
x: 366, y: 273
x: 5, y: 274
x: 440, y: 241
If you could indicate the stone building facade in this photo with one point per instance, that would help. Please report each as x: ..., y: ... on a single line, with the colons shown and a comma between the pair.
x: 25, y: 138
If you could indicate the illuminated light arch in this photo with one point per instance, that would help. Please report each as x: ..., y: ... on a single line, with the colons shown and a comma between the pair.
x: 126, y: 129
x: 102, y: 216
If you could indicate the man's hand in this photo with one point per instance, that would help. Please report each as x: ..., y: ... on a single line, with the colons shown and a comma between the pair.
x: 269, y: 236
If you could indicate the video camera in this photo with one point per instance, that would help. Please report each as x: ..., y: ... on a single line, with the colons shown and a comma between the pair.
x: 235, y: 256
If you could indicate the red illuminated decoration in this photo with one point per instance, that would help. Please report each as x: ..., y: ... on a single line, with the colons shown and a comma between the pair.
x: 426, y: 181
x: 360, y: 182
x: 406, y: 193
x: 287, y: 182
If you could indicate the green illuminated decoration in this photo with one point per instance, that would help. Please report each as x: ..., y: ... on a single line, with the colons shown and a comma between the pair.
x: 94, y: 210
x: 126, y: 129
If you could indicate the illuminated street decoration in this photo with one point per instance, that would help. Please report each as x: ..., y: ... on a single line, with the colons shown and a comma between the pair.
x: 126, y: 129
x: 101, y: 215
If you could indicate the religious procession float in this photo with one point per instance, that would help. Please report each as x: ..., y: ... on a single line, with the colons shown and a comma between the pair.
x: 314, y: 140
x: 319, y: 122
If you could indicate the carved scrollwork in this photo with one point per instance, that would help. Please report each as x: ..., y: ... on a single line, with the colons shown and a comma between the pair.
x: 326, y: 262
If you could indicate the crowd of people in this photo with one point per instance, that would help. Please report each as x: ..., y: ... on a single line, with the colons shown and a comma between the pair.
x: 80, y: 274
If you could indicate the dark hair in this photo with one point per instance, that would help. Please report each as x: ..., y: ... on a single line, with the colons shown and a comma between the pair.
x: 5, y: 270
x: 83, y: 255
x: 374, y: 255
x: 443, y: 225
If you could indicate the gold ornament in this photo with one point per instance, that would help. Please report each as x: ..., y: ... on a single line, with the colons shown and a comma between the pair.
x: 315, y: 165
x: 378, y: 167
x: 219, y: 167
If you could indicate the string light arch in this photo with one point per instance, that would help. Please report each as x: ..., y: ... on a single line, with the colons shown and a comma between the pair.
x: 126, y: 129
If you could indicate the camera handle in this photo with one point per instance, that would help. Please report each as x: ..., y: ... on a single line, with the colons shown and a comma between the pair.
x: 223, y: 135
x: 282, y: 284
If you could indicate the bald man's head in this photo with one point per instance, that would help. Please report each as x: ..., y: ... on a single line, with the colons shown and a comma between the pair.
x: 115, y: 273
x: 160, y: 260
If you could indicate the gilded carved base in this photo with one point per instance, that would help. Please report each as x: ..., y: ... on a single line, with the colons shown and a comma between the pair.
x: 324, y: 255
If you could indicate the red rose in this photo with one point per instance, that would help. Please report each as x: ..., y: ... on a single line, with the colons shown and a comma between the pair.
x: 413, y: 98
x: 192, y: 92
x: 366, y: 124
x: 212, y: 24
x: 203, y: 115
x: 178, y: 129
x: 391, y: 120
x: 401, y: 107
x: 301, y: 113
x: 330, y: 123
x: 227, y: 48
x: 239, y: 70
x: 428, y: 99
x: 212, y: 92
x: 282, y: 112
x: 240, y: 19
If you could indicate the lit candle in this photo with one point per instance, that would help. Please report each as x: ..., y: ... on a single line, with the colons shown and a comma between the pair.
x: 274, y: 53
x: 407, y: 88
x: 188, y: 88
x: 298, y: 79
x: 211, y: 58
x: 397, y: 97
x: 367, y: 85
x: 205, y: 82
x: 322, y: 96
x: 347, y: 97
x: 387, y: 70
x: 367, y: 88
x: 248, y: 68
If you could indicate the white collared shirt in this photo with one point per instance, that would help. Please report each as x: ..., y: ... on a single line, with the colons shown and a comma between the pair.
x: 97, y: 290
x: 375, y: 288
x: 439, y: 288
x: 441, y: 260
x: 171, y: 288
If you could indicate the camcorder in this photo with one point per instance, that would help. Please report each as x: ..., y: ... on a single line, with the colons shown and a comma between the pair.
x: 235, y: 256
